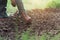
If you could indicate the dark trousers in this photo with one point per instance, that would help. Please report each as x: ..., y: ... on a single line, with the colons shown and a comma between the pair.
x: 3, y: 4
x: 3, y: 15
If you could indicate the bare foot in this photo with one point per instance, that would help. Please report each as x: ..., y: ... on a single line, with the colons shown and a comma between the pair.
x: 26, y: 18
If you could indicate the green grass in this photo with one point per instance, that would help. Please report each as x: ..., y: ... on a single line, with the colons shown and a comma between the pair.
x: 56, y: 37
x: 25, y: 36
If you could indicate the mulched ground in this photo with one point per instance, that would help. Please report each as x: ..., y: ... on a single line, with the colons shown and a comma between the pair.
x: 47, y: 20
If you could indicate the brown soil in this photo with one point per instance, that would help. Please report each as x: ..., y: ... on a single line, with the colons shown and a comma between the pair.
x: 47, y: 20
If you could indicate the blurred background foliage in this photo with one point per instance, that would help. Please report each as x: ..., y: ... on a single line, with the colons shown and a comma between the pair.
x: 34, y: 4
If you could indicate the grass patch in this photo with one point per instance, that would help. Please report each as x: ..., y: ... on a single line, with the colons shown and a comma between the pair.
x: 56, y: 37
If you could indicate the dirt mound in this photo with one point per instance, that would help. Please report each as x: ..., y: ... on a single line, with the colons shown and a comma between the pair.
x: 45, y: 20
x: 42, y: 21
